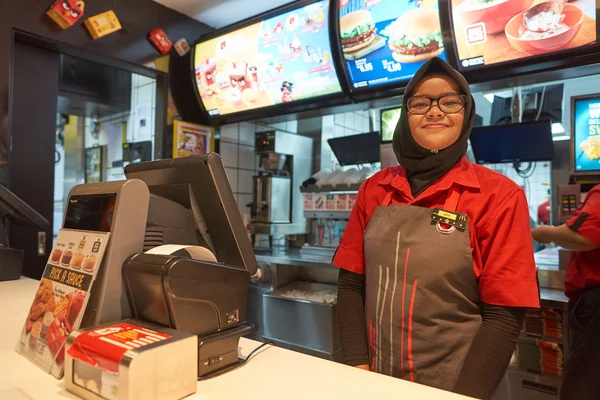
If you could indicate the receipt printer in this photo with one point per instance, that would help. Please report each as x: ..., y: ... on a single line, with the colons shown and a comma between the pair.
x: 204, y: 298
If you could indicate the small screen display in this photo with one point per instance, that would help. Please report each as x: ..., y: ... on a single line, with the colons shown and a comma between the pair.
x: 513, y: 143
x: 389, y: 120
x: 586, y: 135
x: 91, y: 212
x: 385, y: 41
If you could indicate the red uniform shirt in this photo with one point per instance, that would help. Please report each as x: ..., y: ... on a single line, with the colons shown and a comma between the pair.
x: 498, y: 219
x: 584, y: 266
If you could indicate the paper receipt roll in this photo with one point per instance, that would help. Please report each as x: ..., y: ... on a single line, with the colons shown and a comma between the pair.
x: 194, y: 252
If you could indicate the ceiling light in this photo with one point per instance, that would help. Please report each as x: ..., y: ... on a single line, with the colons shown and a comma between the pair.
x: 559, y: 138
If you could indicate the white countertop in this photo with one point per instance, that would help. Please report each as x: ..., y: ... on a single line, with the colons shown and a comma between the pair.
x: 273, y: 373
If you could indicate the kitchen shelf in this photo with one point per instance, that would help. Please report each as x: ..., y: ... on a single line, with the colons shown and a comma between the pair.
x: 342, y: 188
x: 327, y: 214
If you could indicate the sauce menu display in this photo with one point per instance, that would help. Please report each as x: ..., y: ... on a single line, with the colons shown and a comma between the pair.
x: 488, y: 32
x: 586, y: 135
x: 61, y: 298
x: 385, y: 41
x: 279, y: 60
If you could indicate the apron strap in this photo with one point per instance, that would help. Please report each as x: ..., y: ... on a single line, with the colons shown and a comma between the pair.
x: 452, y: 200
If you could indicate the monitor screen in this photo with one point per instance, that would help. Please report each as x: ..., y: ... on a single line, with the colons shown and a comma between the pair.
x: 586, y: 134
x: 90, y: 212
x: 513, y: 143
x: 389, y: 120
x: 210, y: 198
x: 387, y: 41
x: 488, y: 32
x: 279, y: 60
x: 356, y: 149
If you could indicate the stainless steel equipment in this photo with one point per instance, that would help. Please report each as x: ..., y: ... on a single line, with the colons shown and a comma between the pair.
x: 277, y: 206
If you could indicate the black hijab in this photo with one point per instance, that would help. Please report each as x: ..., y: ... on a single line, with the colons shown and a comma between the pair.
x: 424, y: 167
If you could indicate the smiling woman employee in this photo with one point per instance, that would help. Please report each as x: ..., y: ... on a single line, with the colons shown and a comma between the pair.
x: 436, y: 261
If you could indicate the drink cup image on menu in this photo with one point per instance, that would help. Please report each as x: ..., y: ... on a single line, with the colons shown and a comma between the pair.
x: 56, y: 255
x: 89, y: 263
x: 77, y: 261
x: 66, y: 258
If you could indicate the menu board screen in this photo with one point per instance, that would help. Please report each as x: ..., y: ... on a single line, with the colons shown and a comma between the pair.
x: 279, y: 60
x: 386, y: 41
x: 586, y: 134
x: 488, y: 32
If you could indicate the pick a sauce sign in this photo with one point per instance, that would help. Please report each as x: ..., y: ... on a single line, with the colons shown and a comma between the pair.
x: 586, y: 135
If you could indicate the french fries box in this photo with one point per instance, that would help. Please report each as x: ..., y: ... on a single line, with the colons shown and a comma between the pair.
x: 160, y: 41
x: 103, y: 24
x: 131, y: 360
x: 182, y: 47
x: 66, y: 12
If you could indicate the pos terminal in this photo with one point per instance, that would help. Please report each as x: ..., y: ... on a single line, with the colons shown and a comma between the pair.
x: 201, y: 286
x: 119, y: 208
x: 17, y: 211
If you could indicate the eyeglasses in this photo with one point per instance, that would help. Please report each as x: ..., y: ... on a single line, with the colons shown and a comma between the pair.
x: 448, y: 104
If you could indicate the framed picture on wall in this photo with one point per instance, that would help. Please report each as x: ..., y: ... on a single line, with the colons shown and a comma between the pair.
x: 94, y: 164
x: 191, y: 139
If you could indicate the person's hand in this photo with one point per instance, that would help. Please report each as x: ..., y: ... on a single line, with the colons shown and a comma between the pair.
x: 364, y: 366
x: 542, y: 234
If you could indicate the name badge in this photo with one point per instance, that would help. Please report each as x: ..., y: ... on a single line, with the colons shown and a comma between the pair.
x: 457, y: 220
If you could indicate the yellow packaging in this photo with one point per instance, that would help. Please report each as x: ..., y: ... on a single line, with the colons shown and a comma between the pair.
x: 103, y: 24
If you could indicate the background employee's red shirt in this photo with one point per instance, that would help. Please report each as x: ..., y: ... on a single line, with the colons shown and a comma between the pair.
x: 584, y: 266
x: 499, y: 226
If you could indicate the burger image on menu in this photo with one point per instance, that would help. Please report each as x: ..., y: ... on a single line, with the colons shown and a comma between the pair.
x: 415, y: 36
x: 357, y: 30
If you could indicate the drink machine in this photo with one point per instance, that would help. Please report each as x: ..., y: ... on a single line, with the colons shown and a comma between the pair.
x: 277, y: 205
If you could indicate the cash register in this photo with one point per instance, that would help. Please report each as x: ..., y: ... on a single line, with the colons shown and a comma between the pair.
x: 194, y: 273
x: 20, y: 213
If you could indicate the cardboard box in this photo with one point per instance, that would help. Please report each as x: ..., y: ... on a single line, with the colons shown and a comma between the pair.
x: 66, y: 12
x: 103, y: 24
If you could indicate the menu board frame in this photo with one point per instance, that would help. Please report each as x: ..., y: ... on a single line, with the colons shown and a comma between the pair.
x: 574, y: 100
x: 394, y: 88
x: 536, y: 63
x: 314, y: 103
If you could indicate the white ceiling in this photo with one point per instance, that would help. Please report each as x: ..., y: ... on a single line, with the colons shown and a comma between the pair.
x: 220, y: 13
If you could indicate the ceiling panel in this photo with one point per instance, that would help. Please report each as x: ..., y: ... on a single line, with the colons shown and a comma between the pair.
x: 220, y: 13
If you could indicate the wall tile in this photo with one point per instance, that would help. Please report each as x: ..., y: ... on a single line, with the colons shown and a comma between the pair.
x: 247, y: 133
x: 246, y: 157
x: 229, y: 154
x: 349, y: 120
x: 339, y: 119
x: 245, y: 181
x: 144, y: 80
x: 232, y: 176
x: 229, y: 133
x: 339, y: 131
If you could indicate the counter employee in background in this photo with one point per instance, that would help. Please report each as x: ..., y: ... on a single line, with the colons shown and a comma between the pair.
x: 436, y: 263
x: 581, y: 234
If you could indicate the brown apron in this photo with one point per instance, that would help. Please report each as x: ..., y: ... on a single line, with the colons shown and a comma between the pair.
x: 422, y: 296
